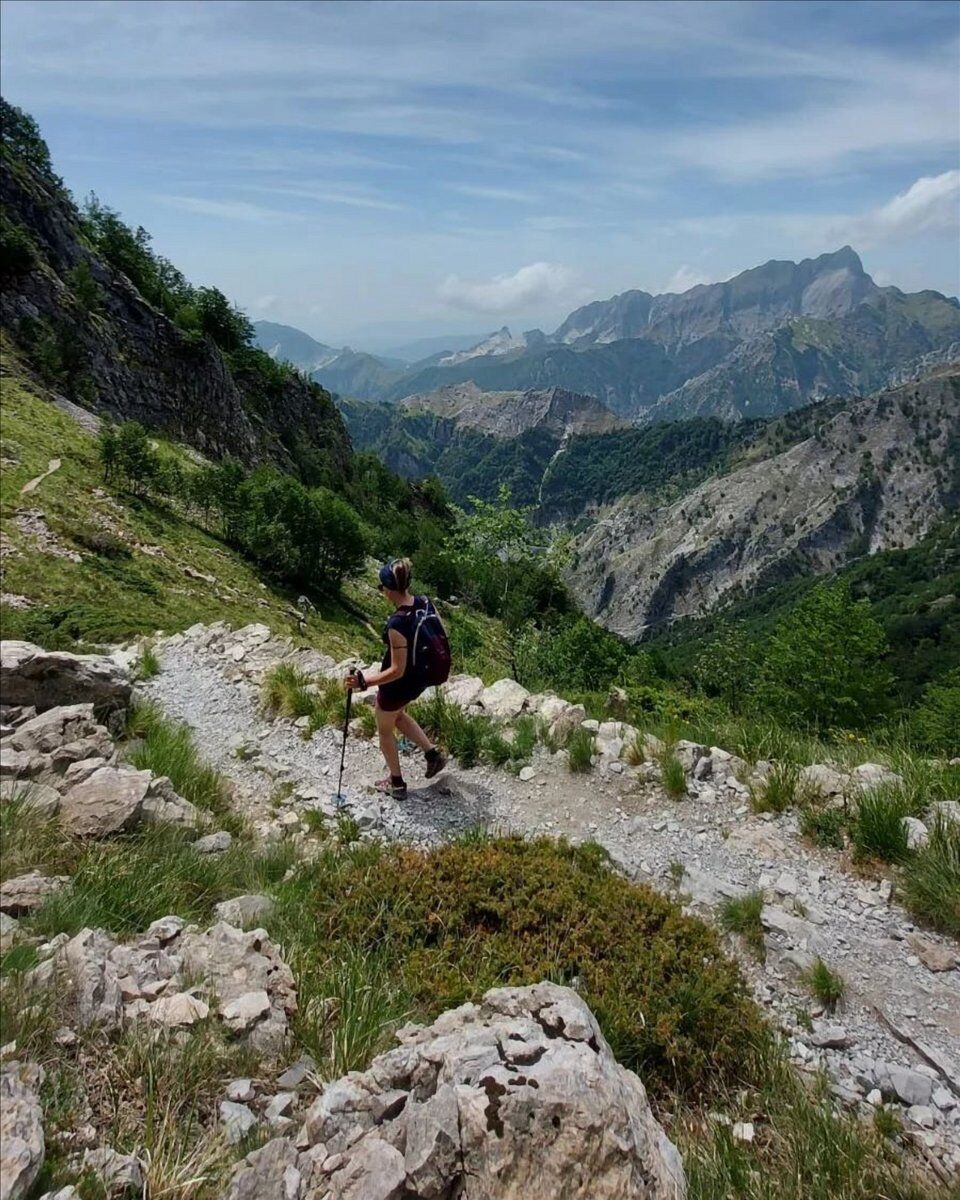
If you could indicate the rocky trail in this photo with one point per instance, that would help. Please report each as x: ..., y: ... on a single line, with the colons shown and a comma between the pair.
x: 895, y: 1035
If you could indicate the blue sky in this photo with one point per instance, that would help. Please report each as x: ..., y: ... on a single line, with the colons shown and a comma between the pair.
x: 376, y: 171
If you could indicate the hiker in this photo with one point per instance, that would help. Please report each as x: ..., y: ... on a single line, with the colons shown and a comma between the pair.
x: 417, y: 657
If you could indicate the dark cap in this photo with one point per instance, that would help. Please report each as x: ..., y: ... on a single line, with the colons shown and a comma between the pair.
x: 387, y: 578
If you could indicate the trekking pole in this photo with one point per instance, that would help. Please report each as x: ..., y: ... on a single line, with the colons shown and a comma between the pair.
x: 343, y: 747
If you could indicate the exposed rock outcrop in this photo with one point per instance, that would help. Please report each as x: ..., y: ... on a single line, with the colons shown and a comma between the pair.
x: 21, y: 1129
x: 516, y: 1098
x: 45, y: 678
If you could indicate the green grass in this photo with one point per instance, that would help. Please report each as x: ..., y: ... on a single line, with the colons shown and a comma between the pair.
x: 826, y: 985
x: 930, y: 880
x: 123, y: 884
x: 164, y: 747
x: 741, y: 914
x: 824, y: 826
x: 111, y: 598
x: 804, y: 1149
x: 580, y: 748
x: 149, y: 664
x: 878, y: 830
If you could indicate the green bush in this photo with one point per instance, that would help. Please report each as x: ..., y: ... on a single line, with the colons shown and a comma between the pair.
x: 778, y: 791
x: 823, y: 665
x: 450, y: 923
x: 930, y: 881
x: 936, y: 721
x: 124, y: 884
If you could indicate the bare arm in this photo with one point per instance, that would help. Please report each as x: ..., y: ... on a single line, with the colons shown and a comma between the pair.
x: 398, y: 663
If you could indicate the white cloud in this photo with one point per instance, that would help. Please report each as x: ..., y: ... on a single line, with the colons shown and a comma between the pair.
x: 264, y: 303
x: 537, y: 283
x: 931, y: 203
x: 226, y: 210
x: 684, y: 278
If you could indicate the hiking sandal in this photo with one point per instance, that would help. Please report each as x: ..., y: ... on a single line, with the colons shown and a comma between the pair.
x: 388, y: 788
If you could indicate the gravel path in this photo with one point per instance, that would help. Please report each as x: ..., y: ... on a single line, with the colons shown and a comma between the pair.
x: 814, y: 906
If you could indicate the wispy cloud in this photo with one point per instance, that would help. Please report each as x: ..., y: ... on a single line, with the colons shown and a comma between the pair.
x: 226, y: 210
x: 538, y: 283
x: 511, y: 195
x: 684, y: 278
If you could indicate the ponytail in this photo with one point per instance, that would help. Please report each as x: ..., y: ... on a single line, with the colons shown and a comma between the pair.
x: 402, y: 569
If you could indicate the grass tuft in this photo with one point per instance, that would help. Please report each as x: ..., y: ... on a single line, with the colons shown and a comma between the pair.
x: 930, y: 881
x: 826, y: 985
x: 148, y: 665
x: 823, y: 826
x: 580, y: 751
x: 778, y: 791
x: 672, y: 775
x: 878, y: 829
x: 741, y: 914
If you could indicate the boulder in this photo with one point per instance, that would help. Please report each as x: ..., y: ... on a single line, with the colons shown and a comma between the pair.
x: 689, y: 752
x: 21, y: 1128
x: 9, y: 932
x: 85, y: 958
x: 47, y: 748
x: 28, y: 892
x: 935, y: 956
x: 947, y: 811
x: 517, y: 1098
x: 506, y: 698
x: 214, y: 843
x: 55, y: 727
x: 869, y: 776
x: 821, y: 780
x: 118, y: 1174
x: 463, y: 690
x: 561, y: 717
x: 178, y: 1010
x: 109, y: 801
x: 237, y: 1121
x: 245, y: 912
x: 163, y: 805
x: 45, y: 678
x: 270, y: 1173
x: 917, y: 833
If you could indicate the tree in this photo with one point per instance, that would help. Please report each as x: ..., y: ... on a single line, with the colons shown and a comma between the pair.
x: 936, y: 721
x: 824, y: 664
x: 131, y: 456
x: 224, y: 322
x: 22, y: 140
x: 86, y: 290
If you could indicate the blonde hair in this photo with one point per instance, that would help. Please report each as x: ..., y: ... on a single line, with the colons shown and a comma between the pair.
x: 402, y: 569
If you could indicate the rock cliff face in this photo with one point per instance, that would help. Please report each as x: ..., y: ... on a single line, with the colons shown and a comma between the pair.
x: 508, y: 414
x: 878, y: 474
x: 136, y: 364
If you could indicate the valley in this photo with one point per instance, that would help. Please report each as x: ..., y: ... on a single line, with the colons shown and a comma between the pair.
x: 680, y: 918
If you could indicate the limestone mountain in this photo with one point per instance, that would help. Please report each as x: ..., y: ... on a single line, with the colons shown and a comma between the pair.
x: 287, y: 344
x: 878, y: 472
x: 508, y: 414
x: 772, y: 338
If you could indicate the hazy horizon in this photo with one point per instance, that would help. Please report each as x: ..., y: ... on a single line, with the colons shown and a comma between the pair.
x: 372, y: 174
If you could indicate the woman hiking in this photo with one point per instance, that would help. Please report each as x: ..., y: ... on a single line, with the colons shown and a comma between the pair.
x: 417, y: 656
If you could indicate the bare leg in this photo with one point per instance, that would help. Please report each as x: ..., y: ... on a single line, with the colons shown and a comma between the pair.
x: 410, y: 729
x: 386, y: 722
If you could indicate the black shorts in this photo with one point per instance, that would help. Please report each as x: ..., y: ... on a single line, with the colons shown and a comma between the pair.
x: 399, y: 693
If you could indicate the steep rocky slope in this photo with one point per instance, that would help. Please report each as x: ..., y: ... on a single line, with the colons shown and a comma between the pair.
x: 83, y: 324
x: 878, y: 474
x: 508, y: 414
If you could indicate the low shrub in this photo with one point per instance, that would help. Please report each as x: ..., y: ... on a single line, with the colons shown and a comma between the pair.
x: 930, y: 881
x: 449, y: 923
x: 878, y: 829
x: 741, y: 914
